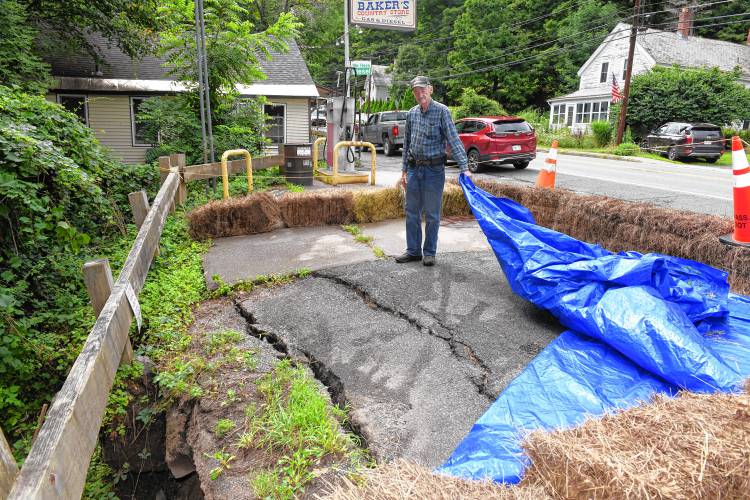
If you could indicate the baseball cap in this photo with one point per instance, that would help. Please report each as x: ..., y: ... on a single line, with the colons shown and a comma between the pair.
x: 420, y: 81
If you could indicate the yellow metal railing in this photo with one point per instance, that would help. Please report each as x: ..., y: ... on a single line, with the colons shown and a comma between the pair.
x: 225, y: 172
x: 360, y: 144
x: 319, y: 140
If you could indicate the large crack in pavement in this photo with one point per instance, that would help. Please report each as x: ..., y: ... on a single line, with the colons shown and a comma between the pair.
x: 469, y: 355
x: 417, y: 355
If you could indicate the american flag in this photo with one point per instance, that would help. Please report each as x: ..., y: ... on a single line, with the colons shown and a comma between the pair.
x: 616, y: 94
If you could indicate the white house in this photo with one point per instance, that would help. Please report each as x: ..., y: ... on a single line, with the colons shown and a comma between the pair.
x: 378, y: 83
x: 106, y: 97
x: 591, y: 101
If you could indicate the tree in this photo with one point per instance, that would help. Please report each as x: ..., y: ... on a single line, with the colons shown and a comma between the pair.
x: 19, y: 64
x: 473, y: 104
x: 131, y: 25
x: 689, y: 95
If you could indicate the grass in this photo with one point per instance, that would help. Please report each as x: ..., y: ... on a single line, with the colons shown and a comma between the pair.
x: 365, y: 239
x: 297, y: 421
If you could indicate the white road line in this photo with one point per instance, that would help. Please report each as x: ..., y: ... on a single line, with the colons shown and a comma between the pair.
x: 660, y: 188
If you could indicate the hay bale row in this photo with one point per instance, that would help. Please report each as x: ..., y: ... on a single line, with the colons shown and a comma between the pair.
x: 615, y: 224
x: 404, y: 480
x: 320, y: 208
x: 257, y: 213
x: 692, y: 446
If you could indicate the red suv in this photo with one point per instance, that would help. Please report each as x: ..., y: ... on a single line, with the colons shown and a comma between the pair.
x: 497, y: 139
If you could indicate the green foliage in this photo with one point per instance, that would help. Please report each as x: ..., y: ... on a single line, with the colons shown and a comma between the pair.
x: 296, y: 421
x: 627, y: 149
x: 63, y: 201
x: 473, y: 104
x: 602, y: 131
x: 689, y: 95
x: 233, y: 48
x: 67, y: 25
x: 19, y: 65
x: 223, y: 426
x: 173, y: 123
x: 218, y: 341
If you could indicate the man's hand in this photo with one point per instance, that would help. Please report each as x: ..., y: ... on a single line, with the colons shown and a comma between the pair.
x: 467, y: 173
x: 403, y: 178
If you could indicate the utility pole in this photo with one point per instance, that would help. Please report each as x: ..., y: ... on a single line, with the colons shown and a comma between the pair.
x: 347, y: 62
x: 628, y: 71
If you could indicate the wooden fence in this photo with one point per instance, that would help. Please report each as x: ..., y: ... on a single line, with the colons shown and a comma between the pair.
x: 58, y: 462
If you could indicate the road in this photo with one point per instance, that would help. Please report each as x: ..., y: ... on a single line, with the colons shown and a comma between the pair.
x: 696, y: 188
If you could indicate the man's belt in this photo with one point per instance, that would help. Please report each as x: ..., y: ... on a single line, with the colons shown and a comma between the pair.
x: 430, y: 162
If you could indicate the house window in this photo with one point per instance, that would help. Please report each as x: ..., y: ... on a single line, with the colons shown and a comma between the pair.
x: 603, y: 74
x: 604, y: 110
x: 137, y: 128
x: 624, y: 69
x: 583, y: 112
x: 558, y: 115
x: 76, y: 104
x: 276, y: 122
x: 594, y: 111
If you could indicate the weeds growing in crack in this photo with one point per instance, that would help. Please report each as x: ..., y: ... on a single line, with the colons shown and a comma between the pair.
x: 224, y: 289
x: 365, y: 239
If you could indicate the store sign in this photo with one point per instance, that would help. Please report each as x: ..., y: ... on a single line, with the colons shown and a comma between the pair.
x: 384, y: 14
x: 362, y: 68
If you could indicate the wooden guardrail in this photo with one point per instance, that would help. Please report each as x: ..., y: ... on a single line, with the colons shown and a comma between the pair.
x: 58, y: 461
x: 57, y: 464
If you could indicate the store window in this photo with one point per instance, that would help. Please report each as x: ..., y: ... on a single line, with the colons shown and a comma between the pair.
x: 76, y: 104
x: 276, y: 122
x: 137, y: 128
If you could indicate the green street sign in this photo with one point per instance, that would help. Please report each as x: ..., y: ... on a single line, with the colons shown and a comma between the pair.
x: 362, y: 68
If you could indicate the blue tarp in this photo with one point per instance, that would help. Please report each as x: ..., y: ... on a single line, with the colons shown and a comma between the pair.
x: 639, y: 324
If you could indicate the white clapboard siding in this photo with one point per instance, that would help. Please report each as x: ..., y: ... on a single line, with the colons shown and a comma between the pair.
x: 615, y: 53
x: 297, y: 118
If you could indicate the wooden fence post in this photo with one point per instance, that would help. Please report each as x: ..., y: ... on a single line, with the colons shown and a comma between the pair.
x: 178, y: 160
x: 165, y: 164
x: 140, y: 207
x: 98, y: 278
x: 8, y: 467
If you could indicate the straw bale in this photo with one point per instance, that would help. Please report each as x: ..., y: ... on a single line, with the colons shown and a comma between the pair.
x: 403, y: 480
x: 454, y: 202
x: 251, y: 214
x: 375, y: 205
x: 691, y: 446
x: 317, y: 208
x: 739, y: 270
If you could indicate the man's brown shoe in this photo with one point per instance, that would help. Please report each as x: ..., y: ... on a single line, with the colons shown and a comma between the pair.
x: 407, y: 257
x: 428, y: 260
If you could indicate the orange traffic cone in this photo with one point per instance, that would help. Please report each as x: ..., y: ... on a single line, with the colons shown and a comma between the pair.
x: 546, y: 177
x: 741, y: 180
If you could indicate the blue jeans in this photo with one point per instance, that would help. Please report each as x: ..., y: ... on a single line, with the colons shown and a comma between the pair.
x: 424, y: 193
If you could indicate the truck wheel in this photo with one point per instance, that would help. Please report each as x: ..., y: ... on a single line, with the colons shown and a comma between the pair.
x: 389, y: 149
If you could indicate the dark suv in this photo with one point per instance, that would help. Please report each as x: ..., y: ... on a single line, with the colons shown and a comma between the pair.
x: 679, y: 140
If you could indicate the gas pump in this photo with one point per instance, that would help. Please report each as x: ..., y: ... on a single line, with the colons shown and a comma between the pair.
x: 340, y: 127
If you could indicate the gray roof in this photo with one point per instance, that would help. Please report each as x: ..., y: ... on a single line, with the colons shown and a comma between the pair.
x: 584, y: 94
x: 669, y: 48
x: 283, y: 69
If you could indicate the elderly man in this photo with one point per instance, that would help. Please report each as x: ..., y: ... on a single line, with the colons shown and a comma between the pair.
x: 429, y: 127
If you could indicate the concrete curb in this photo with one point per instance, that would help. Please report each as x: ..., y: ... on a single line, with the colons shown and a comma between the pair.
x: 595, y: 155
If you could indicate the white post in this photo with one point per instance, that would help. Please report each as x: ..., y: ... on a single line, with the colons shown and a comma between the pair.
x: 347, y: 62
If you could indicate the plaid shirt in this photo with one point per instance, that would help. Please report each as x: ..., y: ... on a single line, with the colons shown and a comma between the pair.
x: 427, y: 133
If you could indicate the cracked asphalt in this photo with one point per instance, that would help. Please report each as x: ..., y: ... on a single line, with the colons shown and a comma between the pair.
x: 417, y: 353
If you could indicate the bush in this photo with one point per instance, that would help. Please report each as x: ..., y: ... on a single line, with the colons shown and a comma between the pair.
x: 174, y: 123
x: 689, y: 95
x: 602, y: 131
x: 61, y: 198
x: 627, y: 149
x: 473, y: 104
